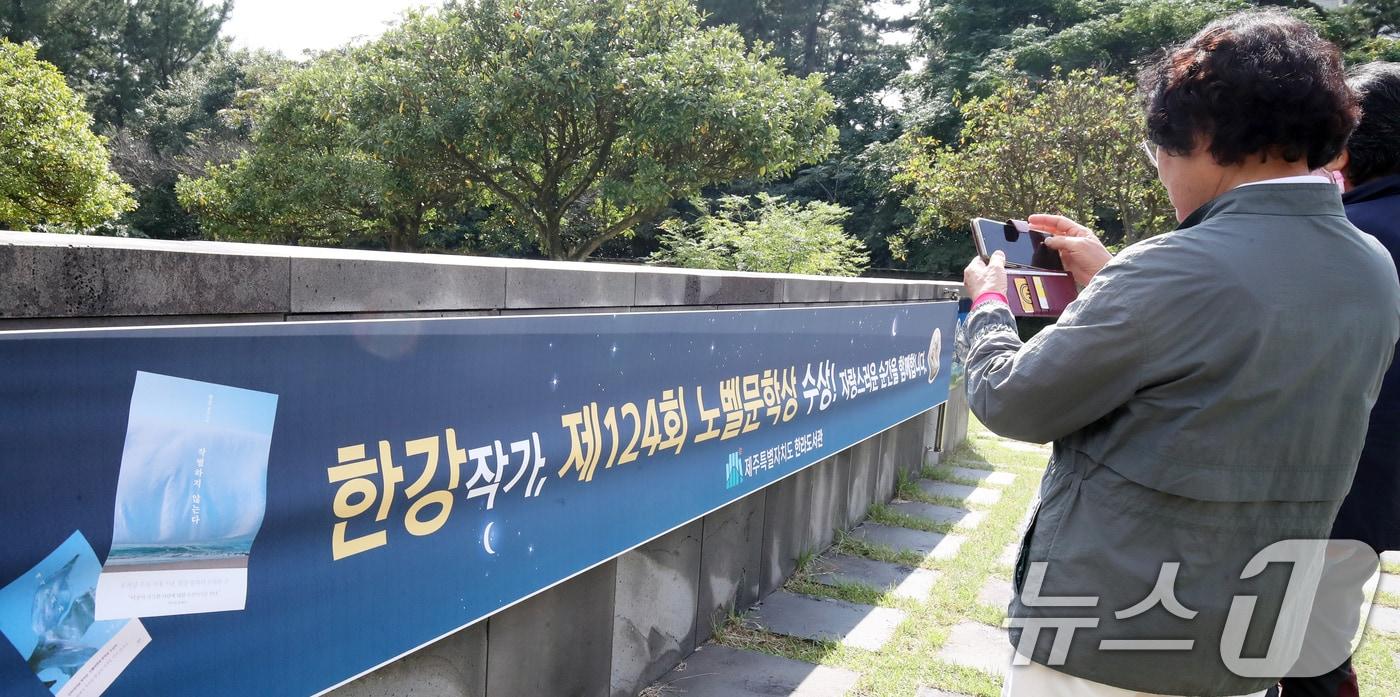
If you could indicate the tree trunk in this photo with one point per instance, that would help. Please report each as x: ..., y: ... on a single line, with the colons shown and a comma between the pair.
x: 809, y: 47
x: 403, y: 234
x: 550, y: 244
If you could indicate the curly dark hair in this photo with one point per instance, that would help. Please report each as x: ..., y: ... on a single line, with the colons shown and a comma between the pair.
x: 1374, y: 147
x: 1254, y: 82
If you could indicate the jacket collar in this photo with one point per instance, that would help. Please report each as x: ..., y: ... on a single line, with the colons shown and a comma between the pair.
x: 1271, y: 199
x: 1380, y: 187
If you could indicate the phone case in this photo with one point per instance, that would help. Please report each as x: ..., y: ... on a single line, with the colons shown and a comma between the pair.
x: 1039, y: 293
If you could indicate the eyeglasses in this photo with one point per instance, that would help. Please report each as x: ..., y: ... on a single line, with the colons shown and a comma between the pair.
x: 1151, y: 151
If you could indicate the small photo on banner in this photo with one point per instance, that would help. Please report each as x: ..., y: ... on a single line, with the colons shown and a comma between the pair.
x: 47, y: 614
x: 190, y: 498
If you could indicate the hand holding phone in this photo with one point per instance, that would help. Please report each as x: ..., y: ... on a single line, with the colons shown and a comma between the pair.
x: 1080, y: 250
x: 985, y: 276
x: 1035, y: 281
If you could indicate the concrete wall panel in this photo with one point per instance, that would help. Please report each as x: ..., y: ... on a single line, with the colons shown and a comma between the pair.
x: 556, y: 643
x: 785, y: 529
x: 351, y: 285
x: 731, y: 561
x: 654, y: 608
x: 107, y: 282
x: 452, y: 667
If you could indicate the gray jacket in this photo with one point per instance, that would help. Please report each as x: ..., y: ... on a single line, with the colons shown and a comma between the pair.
x: 1207, y: 395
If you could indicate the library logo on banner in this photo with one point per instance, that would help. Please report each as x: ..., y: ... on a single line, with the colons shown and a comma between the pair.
x: 733, y: 471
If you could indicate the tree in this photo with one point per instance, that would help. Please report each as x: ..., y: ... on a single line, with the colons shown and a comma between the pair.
x: 317, y: 172
x: 203, y: 119
x: 844, y: 40
x: 768, y: 234
x: 1365, y: 30
x: 1115, y: 43
x: 579, y: 119
x: 116, y: 52
x: 973, y: 48
x: 1070, y: 148
x: 53, y: 169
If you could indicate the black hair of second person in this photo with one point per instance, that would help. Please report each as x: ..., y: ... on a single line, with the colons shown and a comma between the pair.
x: 1255, y: 83
x: 1374, y: 147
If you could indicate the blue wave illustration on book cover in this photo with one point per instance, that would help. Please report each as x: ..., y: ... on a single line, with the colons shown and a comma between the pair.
x: 193, y: 482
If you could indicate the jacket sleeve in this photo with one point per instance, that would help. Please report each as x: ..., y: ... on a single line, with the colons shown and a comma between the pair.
x: 1067, y: 376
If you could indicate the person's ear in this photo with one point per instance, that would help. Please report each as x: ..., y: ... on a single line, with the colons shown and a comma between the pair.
x: 1339, y: 163
x: 1338, y: 169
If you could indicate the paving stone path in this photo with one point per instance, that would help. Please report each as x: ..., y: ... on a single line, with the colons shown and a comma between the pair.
x: 715, y: 669
x: 933, y: 513
x: 824, y: 619
x: 978, y: 646
x: 983, y: 476
x: 1385, y: 620
x: 959, y: 492
x: 899, y: 581
x: 1009, y: 552
x: 928, y: 545
x: 1390, y: 583
x: 996, y: 592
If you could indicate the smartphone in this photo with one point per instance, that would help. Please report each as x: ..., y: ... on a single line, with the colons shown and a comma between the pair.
x: 1024, y: 248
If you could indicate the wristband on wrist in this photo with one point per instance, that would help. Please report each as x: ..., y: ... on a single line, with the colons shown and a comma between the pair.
x: 989, y: 295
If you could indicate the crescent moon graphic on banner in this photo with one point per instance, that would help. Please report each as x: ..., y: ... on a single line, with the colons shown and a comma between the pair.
x: 486, y: 538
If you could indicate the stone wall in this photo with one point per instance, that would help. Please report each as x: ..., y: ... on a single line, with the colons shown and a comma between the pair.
x: 613, y: 629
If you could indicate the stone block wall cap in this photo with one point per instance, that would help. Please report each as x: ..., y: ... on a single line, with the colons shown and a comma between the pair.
x: 680, y: 271
x: 42, y: 239
x: 871, y: 280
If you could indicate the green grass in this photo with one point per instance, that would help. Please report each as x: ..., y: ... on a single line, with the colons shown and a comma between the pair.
x: 1391, y: 568
x: 910, y: 660
x: 1375, y: 667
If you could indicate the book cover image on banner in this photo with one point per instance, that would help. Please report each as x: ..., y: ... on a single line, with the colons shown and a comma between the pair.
x: 191, y: 495
x: 47, y: 614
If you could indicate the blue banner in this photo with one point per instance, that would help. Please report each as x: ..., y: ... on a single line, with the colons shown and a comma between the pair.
x: 276, y: 508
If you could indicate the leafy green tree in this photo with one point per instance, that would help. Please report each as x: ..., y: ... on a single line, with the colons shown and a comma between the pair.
x: 1071, y: 148
x: 765, y: 234
x: 1365, y: 30
x: 116, y: 52
x: 579, y: 120
x: 972, y: 48
x: 1116, y: 43
x: 53, y: 169
x: 843, y: 40
x: 203, y: 119
x: 316, y: 173
x: 956, y: 37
